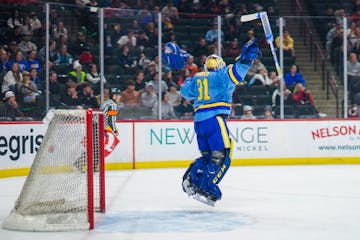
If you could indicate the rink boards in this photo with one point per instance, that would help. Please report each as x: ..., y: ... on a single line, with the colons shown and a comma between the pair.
x: 156, y: 144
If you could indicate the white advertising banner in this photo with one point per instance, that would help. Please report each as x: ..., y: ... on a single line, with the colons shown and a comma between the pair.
x: 146, y: 141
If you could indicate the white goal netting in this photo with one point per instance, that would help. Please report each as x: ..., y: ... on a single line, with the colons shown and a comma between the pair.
x: 55, y: 196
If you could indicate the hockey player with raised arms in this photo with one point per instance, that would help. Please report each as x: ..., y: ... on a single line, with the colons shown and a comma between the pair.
x: 211, y: 92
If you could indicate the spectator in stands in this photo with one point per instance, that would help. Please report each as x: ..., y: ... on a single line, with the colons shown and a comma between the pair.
x: 288, y: 43
x: 13, y: 50
x: 233, y: 49
x: 54, y: 57
x: 353, y: 65
x: 19, y: 60
x: 168, y: 10
x: 169, y: 78
x: 143, y: 40
x: 54, y: 18
x: 148, y: 97
x: 79, y: 45
x: 201, y: 48
x: 302, y: 96
x: 174, y: 96
x: 354, y: 111
x: 248, y: 113
x: 184, y: 73
x: 255, y: 67
x: 86, y: 96
x: 167, y: 110
x: 130, y: 97
x: 275, y: 99
x: 63, y: 40
x: 191, y: 66
x: 109, y: 47
x: 26, y: 45
x: 355, y: 16
x: 144, y: 17
x: 34, y: 21
x: 4, y: 59
x: 185, y: 109
x: 168, y: 26
x: 128, y: 40
x: 77, y: 75
x: 34, y: 76
x: 10, y: 109
x: 333, y: 40
x: 143, y: 61
x: 116, y: 34
x: 64, y: 57
x: 293, y: 77
x: 54, y: 89
x: 59, y: 30
x: 155, y: 83
x: 139, y: 81
x: 268, y: 113
x: 124, y: 59
x: 12, y: 78
x: 32, y: 62
x: 14, y: 34
x: 70, y: 96
x: 86, y: 58
x: 261, y: 78
x: 93, y: 78
x: 28, y: 89
x: 15, y: 19
x: 212, y: 34
x: 26, y: 27
x: 152, y: 33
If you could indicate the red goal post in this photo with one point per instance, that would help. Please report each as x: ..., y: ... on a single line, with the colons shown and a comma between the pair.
x: 66, y: 183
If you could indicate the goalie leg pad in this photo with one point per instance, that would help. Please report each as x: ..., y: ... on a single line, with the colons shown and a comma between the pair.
x: 191, y: 178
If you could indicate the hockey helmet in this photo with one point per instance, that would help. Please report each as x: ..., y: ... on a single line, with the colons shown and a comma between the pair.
x: 213, y: 63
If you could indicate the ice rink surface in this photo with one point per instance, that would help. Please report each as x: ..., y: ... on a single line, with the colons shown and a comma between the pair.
x: 262, y: 203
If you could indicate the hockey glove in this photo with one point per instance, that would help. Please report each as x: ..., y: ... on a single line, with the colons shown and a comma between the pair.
x: 173, y: 57
x: 250, y: 52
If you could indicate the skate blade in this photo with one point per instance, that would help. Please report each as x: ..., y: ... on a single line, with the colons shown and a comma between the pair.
x: 204, y: 200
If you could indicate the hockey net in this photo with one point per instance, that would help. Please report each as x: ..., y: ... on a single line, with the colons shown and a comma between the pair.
x: 66, y: 181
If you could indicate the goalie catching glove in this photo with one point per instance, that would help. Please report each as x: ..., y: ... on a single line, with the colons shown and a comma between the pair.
x: 174, y: 57
x: 250, y: 52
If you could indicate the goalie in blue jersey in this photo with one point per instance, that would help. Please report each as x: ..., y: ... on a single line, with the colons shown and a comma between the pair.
x: 211, y: 92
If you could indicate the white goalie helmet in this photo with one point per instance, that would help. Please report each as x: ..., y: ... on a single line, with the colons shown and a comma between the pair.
x: 213, y: 63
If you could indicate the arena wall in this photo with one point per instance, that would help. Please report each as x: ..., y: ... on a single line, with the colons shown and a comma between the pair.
x: 157, y: 144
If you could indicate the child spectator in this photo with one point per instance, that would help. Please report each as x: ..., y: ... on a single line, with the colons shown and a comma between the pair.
x: 293, y: 77
x: 191, y: 66
x: 77, y: 75
x: 268, y: 114
x: 248, y: 113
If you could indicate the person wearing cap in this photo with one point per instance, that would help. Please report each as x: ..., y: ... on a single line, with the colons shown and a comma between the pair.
x: 10, y: 108
x: 26, y: 45
x: 248, y: 113
x: 148, y: 98
x: 110, y: 110
x: 77, y: 75
x: 70, y: 96
x: 268, y: 113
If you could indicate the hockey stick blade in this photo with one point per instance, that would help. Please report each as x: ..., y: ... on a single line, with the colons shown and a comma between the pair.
x: 249, y: 17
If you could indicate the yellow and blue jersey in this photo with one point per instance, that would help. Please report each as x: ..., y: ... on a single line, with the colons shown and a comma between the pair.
x: 212, y: 91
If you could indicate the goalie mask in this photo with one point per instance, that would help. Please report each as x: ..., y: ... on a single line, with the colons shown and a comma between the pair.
x: 213, y: 63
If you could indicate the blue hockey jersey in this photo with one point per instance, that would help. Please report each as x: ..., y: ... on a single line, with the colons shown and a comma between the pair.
x: 212, y: 91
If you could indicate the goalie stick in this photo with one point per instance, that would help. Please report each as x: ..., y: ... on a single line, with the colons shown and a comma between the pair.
x: 268, y: 34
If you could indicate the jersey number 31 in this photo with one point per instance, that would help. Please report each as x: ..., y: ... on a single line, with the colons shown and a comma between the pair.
x: 203, y: 89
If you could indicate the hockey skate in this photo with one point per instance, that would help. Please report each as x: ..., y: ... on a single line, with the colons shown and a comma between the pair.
x: 205, y: 198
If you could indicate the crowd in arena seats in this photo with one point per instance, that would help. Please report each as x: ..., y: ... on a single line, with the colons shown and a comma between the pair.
x: 131, y: 61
